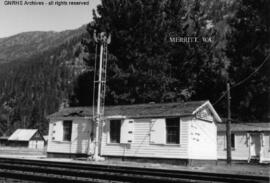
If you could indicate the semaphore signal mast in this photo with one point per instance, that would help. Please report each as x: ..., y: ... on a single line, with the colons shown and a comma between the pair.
x: 102, y: 39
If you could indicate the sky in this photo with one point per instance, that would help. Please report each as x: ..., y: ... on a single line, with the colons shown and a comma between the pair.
x: 18, y: 18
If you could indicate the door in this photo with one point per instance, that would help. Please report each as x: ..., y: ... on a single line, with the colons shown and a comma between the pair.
x: 255, y: 145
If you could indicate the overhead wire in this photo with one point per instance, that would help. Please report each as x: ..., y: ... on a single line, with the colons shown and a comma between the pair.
x: 243, y: 80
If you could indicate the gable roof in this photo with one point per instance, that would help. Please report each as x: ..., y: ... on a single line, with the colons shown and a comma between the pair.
x: 140, y: 110
x: 46, y: 137
x: 23, y: 134
x: 242, y: 127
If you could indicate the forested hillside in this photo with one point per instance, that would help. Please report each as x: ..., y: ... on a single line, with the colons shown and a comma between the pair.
x: 37, y: 75
x: 25, y: 45
x: 41, y: 70
x: 146, y: 66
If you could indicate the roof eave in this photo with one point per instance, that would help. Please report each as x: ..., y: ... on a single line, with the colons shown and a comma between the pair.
x: 149, y: 116
x: 119, y: 117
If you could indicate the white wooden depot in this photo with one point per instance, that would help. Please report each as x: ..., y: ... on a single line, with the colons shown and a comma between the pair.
x: 142, y: 134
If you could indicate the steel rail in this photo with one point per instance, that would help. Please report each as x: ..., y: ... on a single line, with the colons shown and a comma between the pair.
x: 39, y: 178
x: 132, y: 174
x: 101, y: 175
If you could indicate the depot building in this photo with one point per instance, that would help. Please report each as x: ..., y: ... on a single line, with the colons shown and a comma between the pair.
x: 177, y: 132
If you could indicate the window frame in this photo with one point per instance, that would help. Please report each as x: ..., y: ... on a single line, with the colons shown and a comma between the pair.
x: 118, y: 140
x: 69, y: 134
x: 178, y: 126
x: 233, y: 141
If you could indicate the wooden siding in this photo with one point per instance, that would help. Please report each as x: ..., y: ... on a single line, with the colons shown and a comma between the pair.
x: 241, y: 150
x: 221, y: 152
x: 79, y: 138
x: 141, y: 146
x: 202, y: 140
x: 36, y: 144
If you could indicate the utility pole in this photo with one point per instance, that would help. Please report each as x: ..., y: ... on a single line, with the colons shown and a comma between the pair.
x: 98, y: 118
x: 24, y: 119
x: 228, y: 125
x: 103, y: 39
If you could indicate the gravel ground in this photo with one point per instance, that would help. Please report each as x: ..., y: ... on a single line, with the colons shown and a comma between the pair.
x: 243, y: 168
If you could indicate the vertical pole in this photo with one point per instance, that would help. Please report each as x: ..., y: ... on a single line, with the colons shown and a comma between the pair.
x: 8, y: 124
x: 98, y: 105
x: 24, y: 121
x: 228, y: 125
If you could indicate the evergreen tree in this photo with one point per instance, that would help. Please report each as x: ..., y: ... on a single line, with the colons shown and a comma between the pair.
x: 249, y: 49
x: 144, y: 65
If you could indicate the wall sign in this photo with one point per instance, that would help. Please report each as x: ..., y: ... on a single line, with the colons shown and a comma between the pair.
x: 204, y: 114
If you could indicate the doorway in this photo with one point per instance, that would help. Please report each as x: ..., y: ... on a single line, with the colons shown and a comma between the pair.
x: 255, y: 145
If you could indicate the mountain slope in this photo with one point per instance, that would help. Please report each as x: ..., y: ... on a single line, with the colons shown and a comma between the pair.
x: 37, y: 72
x: 25, y: 45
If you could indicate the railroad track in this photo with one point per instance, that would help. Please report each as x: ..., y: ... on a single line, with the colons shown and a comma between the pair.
x: 48, y: 171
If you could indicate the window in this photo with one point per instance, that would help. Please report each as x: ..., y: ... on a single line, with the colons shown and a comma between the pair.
x: 172, y: 131
x: 233, y: 140
x: 67, y: 129
x: 115, y: 126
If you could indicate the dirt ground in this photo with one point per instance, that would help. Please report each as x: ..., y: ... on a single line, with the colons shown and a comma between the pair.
x: 245, y: 169
x: 239, y: 168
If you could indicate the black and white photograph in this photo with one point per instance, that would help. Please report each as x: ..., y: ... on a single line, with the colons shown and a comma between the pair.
x: 114, y: 91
